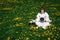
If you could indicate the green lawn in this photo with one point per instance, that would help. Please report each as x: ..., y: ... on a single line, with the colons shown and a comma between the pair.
x: 15, y: 15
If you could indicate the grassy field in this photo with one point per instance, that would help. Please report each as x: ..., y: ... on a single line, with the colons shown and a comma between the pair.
x: 15, y: 15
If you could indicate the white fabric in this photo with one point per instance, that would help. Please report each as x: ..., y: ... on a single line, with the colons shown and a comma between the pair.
x: 42, y: 24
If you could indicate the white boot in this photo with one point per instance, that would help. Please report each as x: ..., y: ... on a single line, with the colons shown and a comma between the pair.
x: 32, y: 21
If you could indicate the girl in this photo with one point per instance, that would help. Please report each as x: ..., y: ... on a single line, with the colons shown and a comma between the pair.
x: 42, y: 19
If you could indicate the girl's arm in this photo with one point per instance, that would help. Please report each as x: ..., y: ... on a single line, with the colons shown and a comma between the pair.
x: 47, y: 18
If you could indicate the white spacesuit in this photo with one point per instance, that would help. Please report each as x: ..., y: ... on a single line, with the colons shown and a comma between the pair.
x: 43, y: 24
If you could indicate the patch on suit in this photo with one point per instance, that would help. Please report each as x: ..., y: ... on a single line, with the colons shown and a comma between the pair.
x: 41, y: 19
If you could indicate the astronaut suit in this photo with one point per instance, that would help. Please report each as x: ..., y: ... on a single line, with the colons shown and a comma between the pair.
x: 44, y: 23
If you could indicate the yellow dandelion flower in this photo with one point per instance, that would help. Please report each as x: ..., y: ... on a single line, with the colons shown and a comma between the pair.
x: 27, y: 38
x: 47, y: 27
x: 22, y: 24
x: 31, y: 27
x: 17, y: 24
x: 17, y: 18
x: 16, y: 39
x: 50, y: 33
x: 48, y: 38
x: 16, y: 31
x: 54, y: 38
x: 8, y: 38
x: 57, y: 13
x: 7, y: 8
x: 34, y: 28
x: 32, y: 12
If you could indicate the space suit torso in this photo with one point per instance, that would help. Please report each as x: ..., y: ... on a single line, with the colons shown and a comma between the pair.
x: 44, y: 23
x: 46, y: 20
x: 43, y: 15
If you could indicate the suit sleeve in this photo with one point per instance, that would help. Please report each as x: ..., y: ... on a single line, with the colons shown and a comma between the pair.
x: 47, y: 18
x: 38, y: 15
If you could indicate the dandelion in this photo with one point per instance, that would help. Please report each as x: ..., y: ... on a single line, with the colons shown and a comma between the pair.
x: 48, y: 38
x: 27, y: 38
x: 31, y: 27
x: 51, y: 33
x: 59, y: 28
x: 17, y: 24
x: 47, y: 27
x: 34, y: 28
x: 54, y: 38
x: 16, y: 31
x: 7, y: 8
x: 32, y: 12
x: 17, y: 18
x: 16, y: 39
x: 8, y: 38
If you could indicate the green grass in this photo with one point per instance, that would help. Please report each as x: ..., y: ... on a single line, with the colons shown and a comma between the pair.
x: 15, y: 15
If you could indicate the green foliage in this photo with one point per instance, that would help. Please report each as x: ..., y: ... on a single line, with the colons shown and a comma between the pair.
x: 15, y: 15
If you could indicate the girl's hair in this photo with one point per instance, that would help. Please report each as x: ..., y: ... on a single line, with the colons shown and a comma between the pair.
x: 42, y: 8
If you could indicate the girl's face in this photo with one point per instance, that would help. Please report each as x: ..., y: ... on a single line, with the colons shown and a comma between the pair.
x: 42, y: 11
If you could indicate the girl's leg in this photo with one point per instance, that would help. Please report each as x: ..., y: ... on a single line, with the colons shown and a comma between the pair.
x: 45, y: 24
x: 38, y: 24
